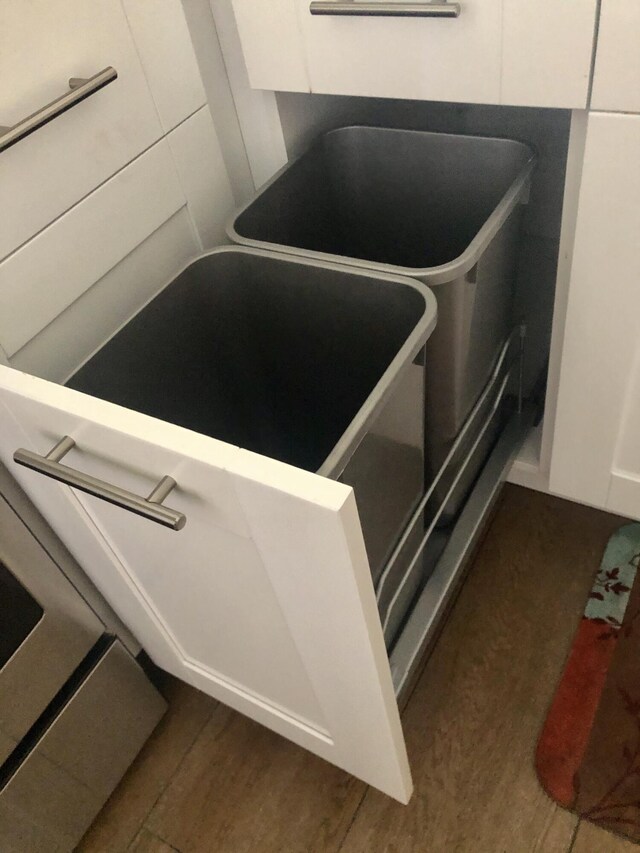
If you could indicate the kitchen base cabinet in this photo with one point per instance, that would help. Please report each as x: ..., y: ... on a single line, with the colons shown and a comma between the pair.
x: 255, y: 586
x: 258, y: 590
x: 265, y: 600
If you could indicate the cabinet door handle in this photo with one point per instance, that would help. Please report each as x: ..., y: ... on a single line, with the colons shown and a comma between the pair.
x: 150, y: 507
x: 385, y: 10
x: 79, y: 89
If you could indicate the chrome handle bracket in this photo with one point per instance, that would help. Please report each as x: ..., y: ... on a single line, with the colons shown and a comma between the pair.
x: 150, y: 507
x: 76, y: 82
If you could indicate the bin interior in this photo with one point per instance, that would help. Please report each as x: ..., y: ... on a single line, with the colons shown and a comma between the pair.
x: 272, y: 355
x: 408, y: 198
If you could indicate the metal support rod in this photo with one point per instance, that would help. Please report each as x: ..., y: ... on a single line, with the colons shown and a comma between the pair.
x: 422, y: 624
x: 523, y: 337
x: 497, y: 377
x: 80, y: 88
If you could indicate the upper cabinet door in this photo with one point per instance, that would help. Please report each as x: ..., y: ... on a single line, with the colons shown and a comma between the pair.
x: 43, y: 45
x: 595, y: 447
x: 616, y: 82
x: 263, y: 600
x: 496, y: 51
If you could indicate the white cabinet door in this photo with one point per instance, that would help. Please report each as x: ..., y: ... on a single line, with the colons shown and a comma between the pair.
x: 616, y: 81
x: 263, y: 600
x: 42, y: 45
x: 595, y: 443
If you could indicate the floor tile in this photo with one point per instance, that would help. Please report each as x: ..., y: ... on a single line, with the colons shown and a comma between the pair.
x: 126, y: 810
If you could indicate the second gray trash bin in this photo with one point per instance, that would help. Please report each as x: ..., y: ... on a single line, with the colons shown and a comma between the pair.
x: 441, y: 208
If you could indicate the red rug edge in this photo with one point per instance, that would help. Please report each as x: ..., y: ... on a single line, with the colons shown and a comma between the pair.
x: 565, y: 734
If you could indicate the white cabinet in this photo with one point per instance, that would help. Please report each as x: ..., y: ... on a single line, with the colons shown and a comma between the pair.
x: 42, y: 45
x: 595, y: 443
x: 616, y: 82
x: 264, y: 599
x: 108, y: 200
x: 64, y: 292
x: 496, y: 51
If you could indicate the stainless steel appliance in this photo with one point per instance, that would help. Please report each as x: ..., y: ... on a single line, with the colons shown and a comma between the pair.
x: 75, y: 706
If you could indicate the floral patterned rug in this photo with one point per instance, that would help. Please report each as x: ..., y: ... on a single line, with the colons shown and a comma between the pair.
x: 588, y: 755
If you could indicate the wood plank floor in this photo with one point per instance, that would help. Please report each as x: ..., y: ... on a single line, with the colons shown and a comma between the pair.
x: 211, y: 781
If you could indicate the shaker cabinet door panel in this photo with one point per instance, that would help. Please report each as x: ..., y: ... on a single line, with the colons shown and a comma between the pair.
x: 594, y: 457
x: 43, y: 45
x: 263, y: 600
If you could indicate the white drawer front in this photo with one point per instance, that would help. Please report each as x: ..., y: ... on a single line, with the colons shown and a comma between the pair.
x: 616, y: 83
x: 42, y: 45
x: 496, y: 51
x: 445, y: 59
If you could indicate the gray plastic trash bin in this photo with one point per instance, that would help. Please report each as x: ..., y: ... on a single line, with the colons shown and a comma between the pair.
x: 304, y: 361
x: 442, y: 208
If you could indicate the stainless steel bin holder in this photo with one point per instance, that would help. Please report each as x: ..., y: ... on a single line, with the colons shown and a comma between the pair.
x: 315, y: 364
x: 441, y: 208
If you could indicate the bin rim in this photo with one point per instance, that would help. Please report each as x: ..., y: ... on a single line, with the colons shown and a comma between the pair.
x: 518, y: 192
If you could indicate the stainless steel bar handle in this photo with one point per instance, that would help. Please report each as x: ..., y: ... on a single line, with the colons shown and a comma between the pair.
x: 150, y: 507
x: 79, y: 89
x: 385, y: 10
